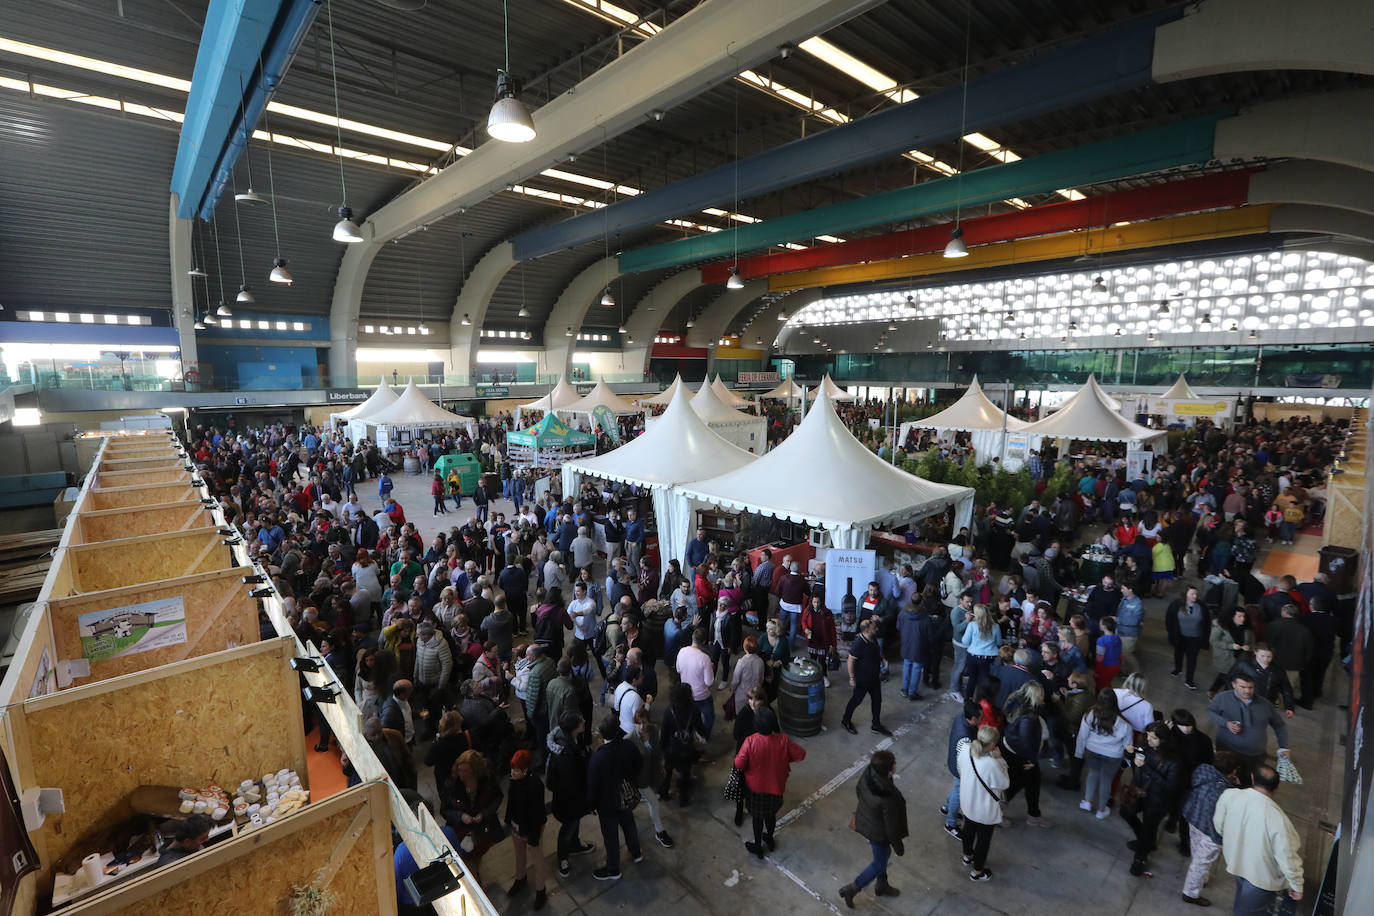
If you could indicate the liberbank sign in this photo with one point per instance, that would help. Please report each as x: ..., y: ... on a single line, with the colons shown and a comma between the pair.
x: 346, y: 396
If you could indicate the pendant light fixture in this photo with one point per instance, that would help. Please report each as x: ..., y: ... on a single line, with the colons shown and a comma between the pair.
x: 568, y: 332
x: 219, y: 270
x: 523, y: 313
x: 955, y: 247
x: 690, y: 322
x: 607, y: 299
x: 1099, y: 285
x: 224, y: 311
x: 210, y: 319
x: 345, y: 230
x: 467, y: 321
x: 279, y: 272
x: 782, y: 315
x: 199, y: 325
x: 245, y: 295
x: 509, y: 119
x: 1206, y: 321
x: 735, y: 281
x: 420, y: 326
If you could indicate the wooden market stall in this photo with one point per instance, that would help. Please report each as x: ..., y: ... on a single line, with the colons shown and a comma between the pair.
x: 109, y: 479
x: 84, y: 568
x: 125, y: 497
x: 109, y: 524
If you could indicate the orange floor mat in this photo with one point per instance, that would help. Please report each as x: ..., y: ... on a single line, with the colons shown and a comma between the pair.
x: 1286, y: 563
x: 326, y: 773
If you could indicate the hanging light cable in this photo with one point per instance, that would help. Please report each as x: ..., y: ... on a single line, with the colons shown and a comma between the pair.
x: 250, y: 196
x: 197, y: 271
x: 245, y: 291
x: 420, y: 292
x: 509, y: 119
x: 735, y: 281
x: 219, y: 270
x: 955, y: 247
x: 345, y: 230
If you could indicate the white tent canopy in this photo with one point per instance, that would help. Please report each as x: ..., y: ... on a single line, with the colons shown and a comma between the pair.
x: 412, y: 410
x: 601, y: 396
x: 833, y: 391
x: 728, y: 397
x: 1180, y: 390
x: 561, y: 395
x: 665, y: 397
x: 677, y: 448
x: 383, y: 397
x: 977, y: 415
x: 824, y: 477
x: 786, y: 389
x: 745, y: 430
x: 1089, y: 415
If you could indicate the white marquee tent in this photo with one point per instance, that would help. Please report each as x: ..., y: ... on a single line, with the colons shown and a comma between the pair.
x: 787, y: 389
x: 741, y: 429
x: 833, y: 391
x: 665, y: 397
x: 976, y: 414
x: 600, y: 396
x: 823, y: 477
x: 561, y: 395
x: 1090, y: 416
x: 1181, y: 390
x: 412, y: 410
x: 678, y: 448
x: 359, y: 427
x: 728, y: 397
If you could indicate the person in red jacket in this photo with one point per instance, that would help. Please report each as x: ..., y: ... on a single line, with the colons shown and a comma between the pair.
x: 818, y: 626
x: 766, y: 759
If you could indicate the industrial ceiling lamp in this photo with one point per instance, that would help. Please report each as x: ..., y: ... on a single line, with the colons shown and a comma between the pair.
x: 1163, y: 307
x: 955, y: 247
x: 523, y: 313
x: 195, y: 271
x: 911, y: 302
x: 279, y: 272
x: 607, y: 299
x: 782, y: 315
x: 568, y: 332
x: 345, y: 230
x: 1206, y: 321
x: 210, y: 319
x: 199, y: 325
x: 1252, y: 335
x: 1099, y: 285
x: 245, y: 296
x: 892, y: 325
x: 690, y: 322
x: 466, y: 322
x: 509, y: 119
x: 735, y: 281
x: 621, y: 330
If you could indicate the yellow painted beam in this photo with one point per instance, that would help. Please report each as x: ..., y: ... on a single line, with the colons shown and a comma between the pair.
x: 1149, y: 234
x: 738, y: 353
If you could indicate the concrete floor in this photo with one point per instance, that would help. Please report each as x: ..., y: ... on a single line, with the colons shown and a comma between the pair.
x: 1078, y: 865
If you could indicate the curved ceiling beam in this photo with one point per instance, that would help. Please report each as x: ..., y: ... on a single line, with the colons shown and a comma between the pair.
x: 713, y: 42
x: 1231, y: 36
x: 649, y: 313
x: 473, y: 298
x: 570, y: 309
x: 1322, y: 184
x: 1326, y: 220
x: 716, y: 317
x: 1325, y: 128
x: 767, y: 322
x: 1346, y: 247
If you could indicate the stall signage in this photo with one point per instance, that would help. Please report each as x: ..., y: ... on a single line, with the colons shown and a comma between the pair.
x: 1138, y: 463
x: 1199, y: 408
x: 132, y: 629
x: 1018, y: 446
x: 603, y: 417
x: 352, y: 396
x: 758, y: 378
x: 493, y: 391
x: 847, y: 572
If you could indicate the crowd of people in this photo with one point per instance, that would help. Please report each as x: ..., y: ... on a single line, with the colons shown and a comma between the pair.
x: 477, y: 654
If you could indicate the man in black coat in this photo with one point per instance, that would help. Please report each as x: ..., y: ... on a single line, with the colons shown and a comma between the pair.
x: 365, y: 533
x: 1323, y: 627
x: 617, y: 760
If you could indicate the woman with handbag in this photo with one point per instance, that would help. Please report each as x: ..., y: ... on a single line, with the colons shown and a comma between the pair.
x: 472, y: 809
x: 1023, y: 734
x: 1153, y: 793
x: 982, y: 779
x: 525, y: 816
x: 735, y: 789
x: 879, y: 818
x: 766, y: 759
x: 775, y: 652
x: 647, y: 740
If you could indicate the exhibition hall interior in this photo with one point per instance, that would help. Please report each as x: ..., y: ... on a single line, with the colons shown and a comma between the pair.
x: 891, y: 456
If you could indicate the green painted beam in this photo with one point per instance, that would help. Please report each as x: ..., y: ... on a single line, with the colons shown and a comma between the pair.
x: 1184, y: 143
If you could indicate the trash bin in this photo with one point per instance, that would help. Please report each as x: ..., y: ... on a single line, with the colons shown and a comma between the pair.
x: 1340, y: 565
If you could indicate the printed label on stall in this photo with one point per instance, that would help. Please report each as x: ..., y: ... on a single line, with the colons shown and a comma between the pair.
x: 132, y: 629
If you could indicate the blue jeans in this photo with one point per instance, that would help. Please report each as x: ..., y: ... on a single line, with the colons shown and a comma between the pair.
x: 792, y: 624
x: 952, y: 805
x: 1256, y: 901
x: 708, y: 714
x: 978, y: 667
x: 877, y: 868
x: 911, y: 677
x: 1287, y: 530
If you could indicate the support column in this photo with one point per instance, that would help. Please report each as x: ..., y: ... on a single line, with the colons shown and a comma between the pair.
x: 183, y: 290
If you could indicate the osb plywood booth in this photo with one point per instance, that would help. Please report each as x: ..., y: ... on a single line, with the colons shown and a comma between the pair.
x: 109, y: 480
x: 124, y: 497
x: 341, y: 845
x: 217, y: 719
x: 217, y: 613
x: 170, y: 460
x: 111, y: 524
x: 146, y: 558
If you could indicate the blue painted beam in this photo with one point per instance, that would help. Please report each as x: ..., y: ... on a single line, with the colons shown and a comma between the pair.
x: 1112, y: 62
x: 246, y: 47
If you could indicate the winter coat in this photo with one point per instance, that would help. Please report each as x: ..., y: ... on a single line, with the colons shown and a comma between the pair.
x: 613, y: 761
x: 981, y: 783
x: 766, y: 761
x: 567, y: 776
x: 881, y: 813
x: 525, y: 806
x: 433, y: 662
x: 917, y: 631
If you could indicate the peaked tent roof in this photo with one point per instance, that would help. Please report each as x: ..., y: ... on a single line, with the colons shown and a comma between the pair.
x: 383, y: 397
x: 601, y: 396
x: 857, y: 488
x: 551, y: 432
x: 414, y: 409
x: 728, y: 397
x: 677, y: 448
x: 832, y: 391
x: 1179, y: 391
x: 787, y: 388
x: 560, y: 396
x: 666, y: 396
x: 973, y: 410
x: 709, y: 404
x: 1089, y: 415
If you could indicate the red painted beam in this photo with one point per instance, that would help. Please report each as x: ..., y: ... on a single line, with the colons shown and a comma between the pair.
x: 678, y: 351
x: 1209, y: 192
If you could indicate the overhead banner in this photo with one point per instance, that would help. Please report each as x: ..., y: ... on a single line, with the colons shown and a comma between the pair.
x: 757, y: 378
x: 1217, y: 408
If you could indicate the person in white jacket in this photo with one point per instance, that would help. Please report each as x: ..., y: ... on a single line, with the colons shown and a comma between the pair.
x: 982, y: 780
x: 1102, y: 740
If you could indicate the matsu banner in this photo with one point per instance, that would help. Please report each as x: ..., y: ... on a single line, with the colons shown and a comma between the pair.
x: 1138, y: 463
x: 847, y: 573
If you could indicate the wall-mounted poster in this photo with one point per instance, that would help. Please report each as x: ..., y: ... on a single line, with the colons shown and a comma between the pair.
x: 132, y: 629
x: 45, y: 678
